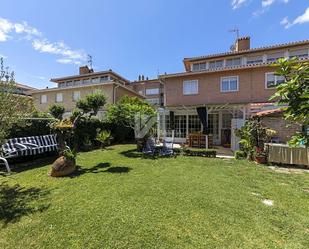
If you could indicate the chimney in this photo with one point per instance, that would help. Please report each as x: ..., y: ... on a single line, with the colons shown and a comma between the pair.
x: 85, y: 70
x: 242, y: 43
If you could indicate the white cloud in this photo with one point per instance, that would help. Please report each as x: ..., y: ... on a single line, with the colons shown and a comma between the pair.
x: 59, y: 48
x: 238, y: 3
x: 304, y: 18
x: 266, y: 3
x: 10, y: 30
x: 265, y: 6
x: 68, y: 61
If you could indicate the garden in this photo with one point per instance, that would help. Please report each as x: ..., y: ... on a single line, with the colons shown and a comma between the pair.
x: 118, y: 199
x: 123, y: 192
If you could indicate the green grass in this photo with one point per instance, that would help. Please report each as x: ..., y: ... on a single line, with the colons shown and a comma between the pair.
x: 119, y: 200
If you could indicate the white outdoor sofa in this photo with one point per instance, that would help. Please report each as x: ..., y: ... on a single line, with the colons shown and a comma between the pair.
x: 26, y: 146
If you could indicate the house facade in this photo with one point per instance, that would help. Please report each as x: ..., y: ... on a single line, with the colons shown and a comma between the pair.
x: 72, y: 88
x: 151, y: 89
x: 231, y: 86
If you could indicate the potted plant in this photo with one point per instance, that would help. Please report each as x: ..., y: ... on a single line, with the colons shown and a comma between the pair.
x: 260, y: 156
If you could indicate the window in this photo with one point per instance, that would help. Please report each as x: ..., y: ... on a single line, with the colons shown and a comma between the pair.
x: 86, y: 81
x: 61, y: 84
x: 190, y: 87
x: 43, y: 99
x: 69, y: 83
x: 300, y: 53
x: 227, y: 120
x: 141, y: 92
x: 254, y: 59
x: 152, y: 91
x: 104, y: 78
x: 215, y: 64
x: 229, y: 84
x: 154, y: 101
x: 272, y: 80
x: 95, y: 80
x: 274, y: 57
x: 59, y: 97
x: 213, y: 125
x: 76, y: 82
x: 194, y: 124
x: 233, y: 62
x: 180, y: 126
x: 199, y: 66
x: 76, y: 95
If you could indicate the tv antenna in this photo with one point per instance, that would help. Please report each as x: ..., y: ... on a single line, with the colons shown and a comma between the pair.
x: 236, y: 31
x: 89, y: 61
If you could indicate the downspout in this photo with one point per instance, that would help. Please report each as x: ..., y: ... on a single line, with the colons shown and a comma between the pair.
x: 114, y: 93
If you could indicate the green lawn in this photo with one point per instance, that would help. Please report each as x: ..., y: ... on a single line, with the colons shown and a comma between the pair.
x: 119, y: 200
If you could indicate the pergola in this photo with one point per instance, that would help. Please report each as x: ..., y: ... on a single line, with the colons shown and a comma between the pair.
x: 239, y: 111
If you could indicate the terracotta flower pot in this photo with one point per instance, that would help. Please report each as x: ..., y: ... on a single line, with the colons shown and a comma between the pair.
x: 261, y: 159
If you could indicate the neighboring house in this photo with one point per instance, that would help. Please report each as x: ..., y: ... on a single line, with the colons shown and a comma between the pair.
x: 22, y: 89
x: 71, y: 88
x: 153, y: 90
x: 231, y: 86
x: 274, y: 120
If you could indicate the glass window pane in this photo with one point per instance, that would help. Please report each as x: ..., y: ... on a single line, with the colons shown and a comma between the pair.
x: 233, y: 85
x: 225, y: 85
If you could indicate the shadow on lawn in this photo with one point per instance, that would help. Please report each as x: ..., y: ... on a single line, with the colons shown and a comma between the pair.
x: 29, y: 163
x: 17, y: 201
x: 99, y: 168
x: 131, y: 153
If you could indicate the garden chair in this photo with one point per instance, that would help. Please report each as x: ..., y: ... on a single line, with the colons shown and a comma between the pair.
x: 27, y: 146
x: 150, y: 147
x: 167, y: 149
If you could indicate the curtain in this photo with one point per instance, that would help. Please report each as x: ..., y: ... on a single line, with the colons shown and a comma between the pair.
x: 202, y: 113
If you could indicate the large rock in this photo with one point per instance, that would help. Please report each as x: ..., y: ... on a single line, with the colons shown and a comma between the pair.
x: 63, y: 167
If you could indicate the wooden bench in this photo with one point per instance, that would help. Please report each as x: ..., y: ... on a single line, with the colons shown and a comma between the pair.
x: 26, y: 146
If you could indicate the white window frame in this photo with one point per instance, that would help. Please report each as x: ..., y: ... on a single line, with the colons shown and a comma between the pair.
x: 73, y: 96
x: 233, y: 61
x: 156, y: 89
x: 153, y: 101
x: 189, y: 81
x: 56, y: 98
x: 226, y: 77
x: 41, y: 99
x: 266, y: 87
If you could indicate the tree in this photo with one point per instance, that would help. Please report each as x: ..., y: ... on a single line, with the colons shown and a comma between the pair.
x: 126, y: 109
x: 92, y: 103
x: 57, y: 111
x: 293, y: 94
x: 13, y: 107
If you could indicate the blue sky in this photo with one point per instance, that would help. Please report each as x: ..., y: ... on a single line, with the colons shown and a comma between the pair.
x: 45, y: 39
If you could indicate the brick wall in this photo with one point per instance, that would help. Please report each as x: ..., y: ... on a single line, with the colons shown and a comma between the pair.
x: 285, y: 129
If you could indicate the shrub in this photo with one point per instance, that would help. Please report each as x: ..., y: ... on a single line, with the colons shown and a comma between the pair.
x: 69, y: 154
x: 239, y: 154
x: 57, y: 111
x: 200, y: 152
x: 104, y: 138
x: 92, y: 103
x: 38, y: 124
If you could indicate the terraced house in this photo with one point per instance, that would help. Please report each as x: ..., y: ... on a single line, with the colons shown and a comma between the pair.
x: 71, y: 88
x: 219, y: 90
x: 230, y: 87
